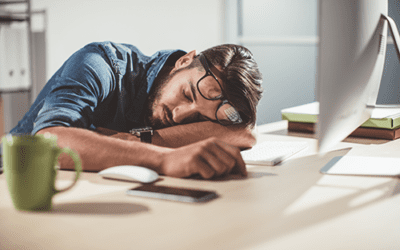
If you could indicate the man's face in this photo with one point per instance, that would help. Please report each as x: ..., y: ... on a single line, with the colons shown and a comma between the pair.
x: 176, y: 100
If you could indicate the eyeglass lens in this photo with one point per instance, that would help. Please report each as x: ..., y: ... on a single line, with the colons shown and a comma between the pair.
x: 227, y: 114
x: 209, y: 88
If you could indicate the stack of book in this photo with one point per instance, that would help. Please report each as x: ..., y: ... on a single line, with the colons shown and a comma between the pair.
x: 383, y: 124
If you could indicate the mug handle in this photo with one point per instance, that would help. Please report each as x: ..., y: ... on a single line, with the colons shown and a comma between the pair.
x: 78, y: 168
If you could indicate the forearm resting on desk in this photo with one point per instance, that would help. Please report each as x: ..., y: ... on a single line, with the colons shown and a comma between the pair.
x: 182, y: 135
x: 186, y: 134
x: 98, y: 152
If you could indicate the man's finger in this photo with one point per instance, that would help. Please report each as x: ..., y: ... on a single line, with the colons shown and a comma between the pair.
x: 235, y: 153
x: 219, y: 160
x: 204, y: 170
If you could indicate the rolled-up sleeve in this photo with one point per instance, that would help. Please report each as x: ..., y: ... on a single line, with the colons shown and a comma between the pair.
x: 84, y: 80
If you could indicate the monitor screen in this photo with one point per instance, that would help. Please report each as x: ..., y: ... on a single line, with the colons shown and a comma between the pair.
x: 351, y: 58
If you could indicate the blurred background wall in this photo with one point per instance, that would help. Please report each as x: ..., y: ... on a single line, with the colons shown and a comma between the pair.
x: 151, y: 25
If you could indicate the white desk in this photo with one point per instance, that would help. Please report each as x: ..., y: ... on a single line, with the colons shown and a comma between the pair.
x: 290, y: 206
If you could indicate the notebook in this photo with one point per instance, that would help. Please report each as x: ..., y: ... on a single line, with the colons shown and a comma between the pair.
x: 270, y: 153
x: 363, y: 165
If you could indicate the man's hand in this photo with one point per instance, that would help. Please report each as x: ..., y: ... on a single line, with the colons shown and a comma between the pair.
x: 208, y: 158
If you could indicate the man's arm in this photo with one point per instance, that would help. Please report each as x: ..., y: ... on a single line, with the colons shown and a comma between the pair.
x: 182, y: 135
x: 208, y: 158
x: 98, y: 152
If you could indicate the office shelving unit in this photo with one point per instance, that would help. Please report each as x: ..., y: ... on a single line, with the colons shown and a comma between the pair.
x: 8, y: 17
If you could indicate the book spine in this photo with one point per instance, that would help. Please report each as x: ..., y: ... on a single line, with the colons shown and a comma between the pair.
x: 365, y: 132
x: 291, y: 117
x: 386, y: 123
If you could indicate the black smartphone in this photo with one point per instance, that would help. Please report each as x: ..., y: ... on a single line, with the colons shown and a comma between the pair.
x: 173, y: 193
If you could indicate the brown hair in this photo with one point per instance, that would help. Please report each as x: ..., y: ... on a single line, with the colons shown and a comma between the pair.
x: 240, y: 75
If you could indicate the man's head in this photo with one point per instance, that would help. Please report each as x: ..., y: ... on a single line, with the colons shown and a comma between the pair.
x: 175, y: 98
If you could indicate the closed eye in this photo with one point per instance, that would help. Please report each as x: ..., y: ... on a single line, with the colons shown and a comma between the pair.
x: 187, y: 96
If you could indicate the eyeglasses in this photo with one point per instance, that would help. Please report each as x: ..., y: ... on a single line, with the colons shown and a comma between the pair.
x: 226, y: 114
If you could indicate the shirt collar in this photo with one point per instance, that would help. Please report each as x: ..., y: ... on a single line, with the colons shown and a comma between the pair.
x: 157, y: 63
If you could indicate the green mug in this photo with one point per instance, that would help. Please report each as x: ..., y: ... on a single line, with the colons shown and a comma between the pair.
x: 29, y: 163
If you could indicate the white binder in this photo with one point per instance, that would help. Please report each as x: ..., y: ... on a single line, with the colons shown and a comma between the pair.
x: 14, y: 65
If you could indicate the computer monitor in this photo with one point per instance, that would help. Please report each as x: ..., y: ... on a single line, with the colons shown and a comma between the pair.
x: 351, y: 57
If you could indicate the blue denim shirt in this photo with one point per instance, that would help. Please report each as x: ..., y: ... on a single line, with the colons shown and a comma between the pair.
x: 103, y: 84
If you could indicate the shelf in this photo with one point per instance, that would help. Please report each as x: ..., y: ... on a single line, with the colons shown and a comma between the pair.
x: 11, y: 13
x: 13, y: 2
x: 12, y: 91
x: 9, y: 19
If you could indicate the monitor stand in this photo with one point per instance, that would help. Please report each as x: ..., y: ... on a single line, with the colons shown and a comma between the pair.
x: 396, y: 40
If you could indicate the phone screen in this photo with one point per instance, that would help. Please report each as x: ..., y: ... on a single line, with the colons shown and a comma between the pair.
x: 173, y: 193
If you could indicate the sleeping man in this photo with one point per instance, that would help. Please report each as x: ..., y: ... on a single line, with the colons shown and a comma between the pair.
x: 198, y: 109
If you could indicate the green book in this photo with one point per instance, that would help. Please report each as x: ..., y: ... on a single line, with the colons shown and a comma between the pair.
x: 387, y: 118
